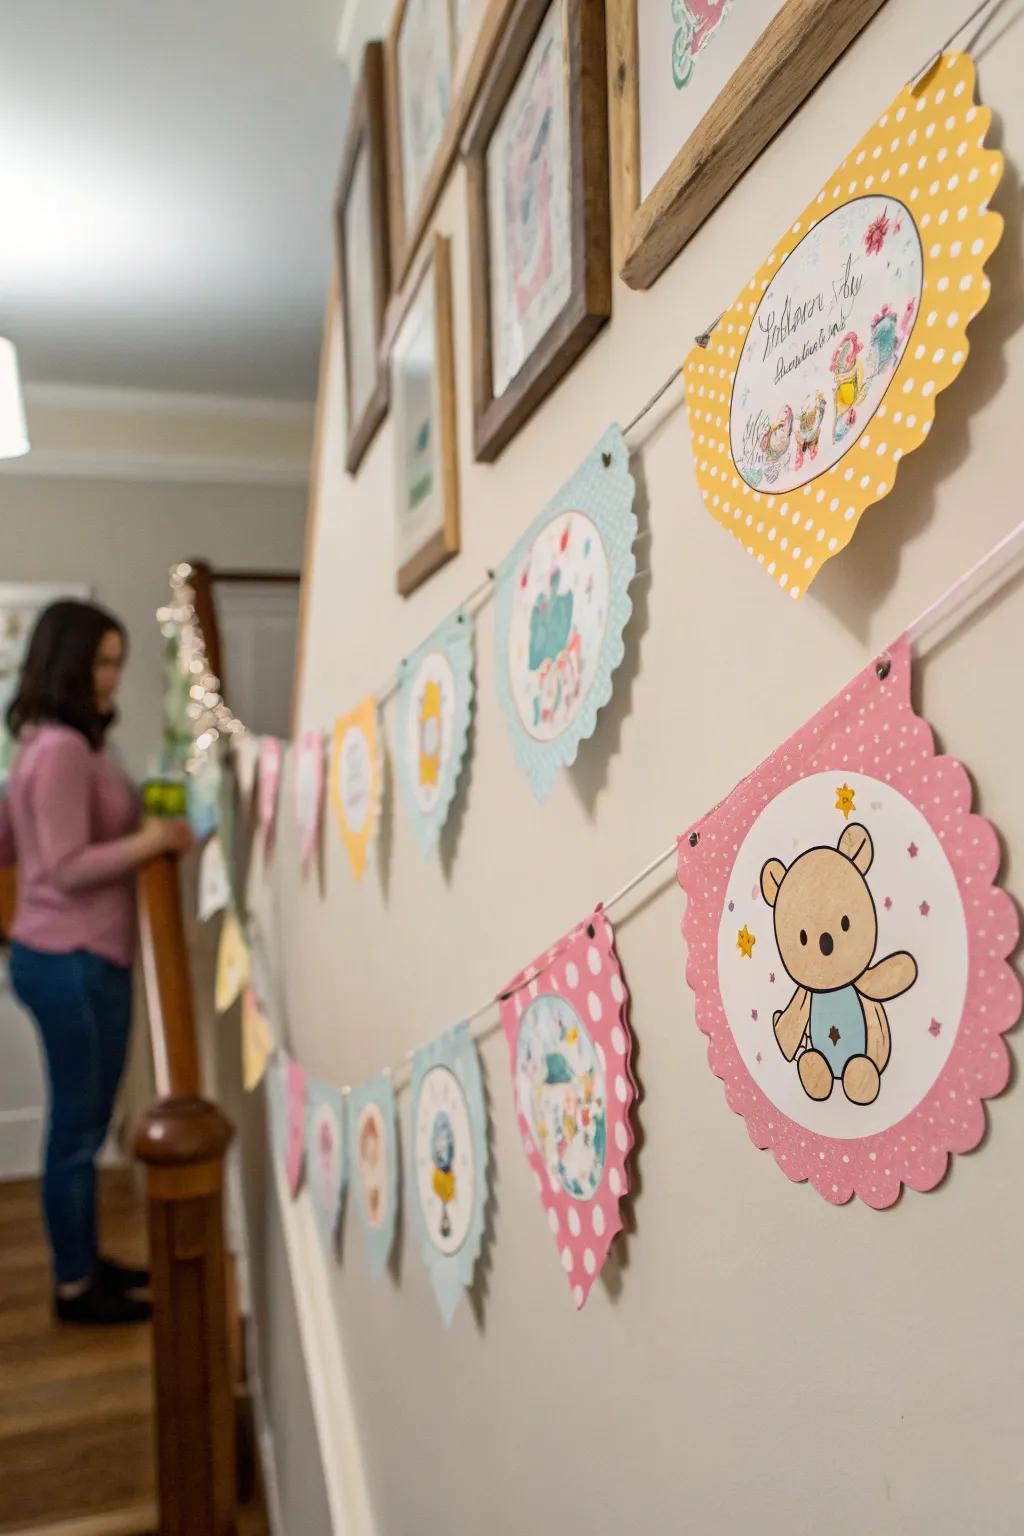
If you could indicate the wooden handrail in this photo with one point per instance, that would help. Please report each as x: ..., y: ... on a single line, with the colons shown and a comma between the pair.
x: 182, y: 1142
x: 172, y: 1020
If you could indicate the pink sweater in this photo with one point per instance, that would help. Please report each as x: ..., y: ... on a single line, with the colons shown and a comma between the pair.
x: 66, y: 821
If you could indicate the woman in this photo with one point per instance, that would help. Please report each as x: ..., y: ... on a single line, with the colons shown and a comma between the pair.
x: 72, y: 822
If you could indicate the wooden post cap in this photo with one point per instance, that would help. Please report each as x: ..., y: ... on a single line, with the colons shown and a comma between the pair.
x: 177, y: 1132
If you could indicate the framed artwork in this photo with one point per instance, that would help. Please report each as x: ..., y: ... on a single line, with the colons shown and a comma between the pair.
x: 537, y: 165
x: 364, y: 269
x: 436, y: 55
x: 423, y: 393
x: 697, y: 88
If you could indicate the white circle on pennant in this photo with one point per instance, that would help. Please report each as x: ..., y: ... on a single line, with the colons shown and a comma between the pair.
x: 594, y: 960
x: 824, y: 344
x: 917, y: 910
x: 429, y: 729
x: 574, y: 1221
x: 354, y: 778
x: 589, y: 1261
x: 445, y: 1169
x: 567, y: 1259
x: 594, y: 1007
x: 597, y: 1220
x: 618, y: 1040
x: 618, y: 991
x: 557, y: 626
x: 560, y: 1090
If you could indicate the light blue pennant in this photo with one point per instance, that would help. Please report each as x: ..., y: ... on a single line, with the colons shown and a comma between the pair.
x: 373, y: 1164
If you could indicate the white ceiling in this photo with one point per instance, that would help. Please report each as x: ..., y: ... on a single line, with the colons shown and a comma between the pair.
x: 165, y: 189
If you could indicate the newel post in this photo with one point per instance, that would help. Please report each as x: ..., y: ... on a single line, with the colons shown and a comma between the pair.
x: 183, y: 1142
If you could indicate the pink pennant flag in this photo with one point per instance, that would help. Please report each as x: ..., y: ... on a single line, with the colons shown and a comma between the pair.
x: 309, y: 792
x: 270, y: 774
x: 566, y: 1020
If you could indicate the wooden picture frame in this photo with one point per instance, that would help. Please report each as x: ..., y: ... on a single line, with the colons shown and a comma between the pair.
x: 467, y: 68
x: 497, y: 417
x: 798, y: 46
x: 361, y: 204
x: 424, y: 419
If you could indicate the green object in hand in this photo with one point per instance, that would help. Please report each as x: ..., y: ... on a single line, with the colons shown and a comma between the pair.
x: 165, y: 797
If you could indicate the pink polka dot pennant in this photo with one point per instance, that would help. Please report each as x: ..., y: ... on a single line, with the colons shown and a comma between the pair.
x: 566, y: 1020
x: 269, y: 779
x: 847, y: 948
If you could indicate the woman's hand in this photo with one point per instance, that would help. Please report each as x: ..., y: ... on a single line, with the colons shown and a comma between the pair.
x: 162, y: 834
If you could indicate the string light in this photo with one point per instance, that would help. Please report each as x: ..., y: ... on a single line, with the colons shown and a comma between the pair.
x: 208, y: 715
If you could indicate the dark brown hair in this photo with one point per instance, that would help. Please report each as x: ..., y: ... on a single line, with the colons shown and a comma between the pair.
x: 56, y: 683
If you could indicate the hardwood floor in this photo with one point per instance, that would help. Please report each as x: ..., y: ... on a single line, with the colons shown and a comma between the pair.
x: 76, y: 1404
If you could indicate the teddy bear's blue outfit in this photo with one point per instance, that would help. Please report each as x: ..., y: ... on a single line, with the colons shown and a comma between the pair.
x: 838, y: 1029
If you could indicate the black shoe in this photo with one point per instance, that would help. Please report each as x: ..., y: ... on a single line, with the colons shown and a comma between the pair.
x: 121, y: 1278
x: 99, y: 1306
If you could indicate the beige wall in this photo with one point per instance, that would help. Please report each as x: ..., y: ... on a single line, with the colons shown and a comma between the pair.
x: 753, y: 1359
x: 121, y: 537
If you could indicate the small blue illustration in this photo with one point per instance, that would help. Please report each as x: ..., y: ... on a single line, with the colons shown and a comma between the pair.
x: 447, y: 1169
x: 561, y: 1090
x: 563, y: 603
x: 435, y: 702
x: 373, y: 1159
x: 326, y: 1161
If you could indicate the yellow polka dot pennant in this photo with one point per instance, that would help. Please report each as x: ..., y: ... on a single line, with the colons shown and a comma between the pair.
x: 823, y: 373
x: 356, y: 780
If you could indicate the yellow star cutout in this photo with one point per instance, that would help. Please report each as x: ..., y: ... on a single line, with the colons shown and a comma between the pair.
x: 845, y: 800
x: 745, y: 942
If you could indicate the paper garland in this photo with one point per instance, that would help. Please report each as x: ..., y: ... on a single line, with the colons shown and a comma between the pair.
x: 268, y: 784
x: 847, y: 948
x: 257, y: 1041
x: 447, y: 1162
x: 233, y: 963
x: 295, y: 1125
x: 373, y: 1161
x: 566, y: 1021
x: 309, y: 793
x: 356, y: 780
x: 562, y: 605
x: 435, y: 703
x: 823, y: 373
x: 214, y: 885
x: 326, y: 1170
x: 247, y: 754
x: 203, y: 789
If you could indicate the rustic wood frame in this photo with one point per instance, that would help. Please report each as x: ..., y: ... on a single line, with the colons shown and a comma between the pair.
x: 496, y: 420
x: 409, y: 225
x: 434, y: 265
x: 798, y: 46
x: 366, y: 131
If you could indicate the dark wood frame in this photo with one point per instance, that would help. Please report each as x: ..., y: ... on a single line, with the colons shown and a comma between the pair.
x: 798, y: 46
x: 589, y: 305
x: 434, y: 265
x: 408, y: 225
x: 366, y: 132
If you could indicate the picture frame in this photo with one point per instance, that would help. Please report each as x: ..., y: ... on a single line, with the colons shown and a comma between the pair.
x: 538, y: 140
x: 661, y: 194
x: 364, y: 258
x: 473, y: 29
x: 422, y: 364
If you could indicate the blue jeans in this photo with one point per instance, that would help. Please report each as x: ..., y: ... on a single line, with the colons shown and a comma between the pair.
x: 82, y: 1006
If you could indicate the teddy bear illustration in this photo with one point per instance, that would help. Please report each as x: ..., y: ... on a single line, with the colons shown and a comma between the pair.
x: 826, y: 929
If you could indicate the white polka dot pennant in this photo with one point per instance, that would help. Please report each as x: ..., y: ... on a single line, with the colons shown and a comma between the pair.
x: 847, y: 948
x: 823, y: 374
x: 566, y: 1020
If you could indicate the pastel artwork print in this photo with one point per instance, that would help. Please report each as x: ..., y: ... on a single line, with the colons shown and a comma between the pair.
x: 563, y: 603
x: 823, y: 374
x: 309, y: 793
x: 373, y: 1160
x: 566, y: 1023
x: 356, y: 780
x: 697, y: 21
x: 325, y: 1154
x: 268, y: 784
x: 214, y: 885
x: 447, y: 1167
x: 847, y: 948
x: 295, y: 1109
x: 435, y: 705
